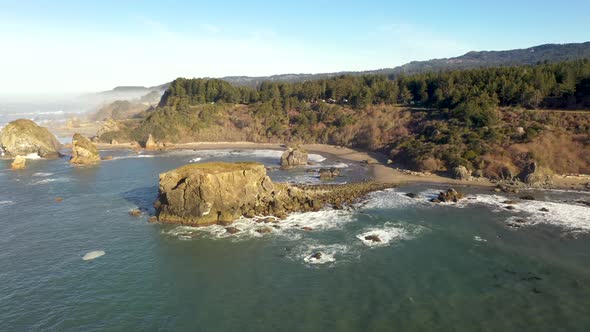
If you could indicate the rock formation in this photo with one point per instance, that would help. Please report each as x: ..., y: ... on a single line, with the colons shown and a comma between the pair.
x: 294, y: 157
x: 461, y: 173
x: 23, y: 137
x: 451, y: 195
x: 83, y: 151
x: 151, y: 144
x: 108, y: 126
x: 19, y: 163
x: 209, y: 193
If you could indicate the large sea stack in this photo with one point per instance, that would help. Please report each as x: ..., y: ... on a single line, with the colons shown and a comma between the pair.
x: 294, y: 157
x: 83, y: 151
x: 209, y: 193
x: 23, y: 137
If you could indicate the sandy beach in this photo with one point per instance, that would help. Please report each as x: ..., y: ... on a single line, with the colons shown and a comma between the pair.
x: 377, y: 163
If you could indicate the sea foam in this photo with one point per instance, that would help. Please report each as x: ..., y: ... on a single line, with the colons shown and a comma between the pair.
x: 386, y: 234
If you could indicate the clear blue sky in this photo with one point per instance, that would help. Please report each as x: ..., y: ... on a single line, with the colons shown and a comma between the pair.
x: 75, y: 46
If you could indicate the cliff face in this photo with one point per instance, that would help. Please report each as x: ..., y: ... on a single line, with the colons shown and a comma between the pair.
x: 209, y: 193
x: 83, y: 151
x: 22, y: 137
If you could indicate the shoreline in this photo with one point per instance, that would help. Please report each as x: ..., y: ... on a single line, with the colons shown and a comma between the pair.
x: 377, y: 163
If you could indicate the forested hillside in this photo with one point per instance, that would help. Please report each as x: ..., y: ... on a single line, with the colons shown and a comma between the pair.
x: 550, y: 53
x: 490, y: 120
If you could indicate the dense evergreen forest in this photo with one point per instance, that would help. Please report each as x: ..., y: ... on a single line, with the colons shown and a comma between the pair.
x: 489, y: 120
x: 561, y: 85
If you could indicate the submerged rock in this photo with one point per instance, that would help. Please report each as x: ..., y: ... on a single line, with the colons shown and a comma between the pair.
x: 294, y: 157
x: 232, y: 230
x: 316, y: 256
x: 23, y: 137
x: 329, y: 173
x: 372, y: 238
x: 411, y: 195
x: 83, y: 151
x: 19, y: 162
x: 219, y: 193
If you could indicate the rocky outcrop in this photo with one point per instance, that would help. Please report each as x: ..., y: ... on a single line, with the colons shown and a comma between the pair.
x: 83, y: 151
x: 151, y: 144
x: 209, y: 193
x: 532, y: 174
x: 294, y: 157
x: 329, y: 173
x: 23, y: 137
x: 451, y: 195
x: 19, y: 163
x: 461, y: 173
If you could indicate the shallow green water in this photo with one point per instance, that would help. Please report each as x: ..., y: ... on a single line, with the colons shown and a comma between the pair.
x: 444, y: 268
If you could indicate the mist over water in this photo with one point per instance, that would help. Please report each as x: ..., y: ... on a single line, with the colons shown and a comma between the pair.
x: 85, y: 264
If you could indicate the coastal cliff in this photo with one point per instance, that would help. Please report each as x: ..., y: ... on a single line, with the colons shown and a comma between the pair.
x: 210, y: 193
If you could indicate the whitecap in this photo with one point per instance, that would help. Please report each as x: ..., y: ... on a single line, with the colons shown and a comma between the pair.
x: 319, y: 254
x: 293, y: 227
x: 386, y: 235
x: 392, y: 198
x: 6, y: 203
x: 479, y: 239
x: 93, y: 255
x: 568, y: 216
x: 32, y: 156
x: 195, y: 160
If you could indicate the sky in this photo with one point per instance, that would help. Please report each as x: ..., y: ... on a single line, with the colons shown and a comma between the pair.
x: 85, y: 46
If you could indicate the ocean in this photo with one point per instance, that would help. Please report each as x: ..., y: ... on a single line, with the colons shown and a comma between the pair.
x: 470, y: 266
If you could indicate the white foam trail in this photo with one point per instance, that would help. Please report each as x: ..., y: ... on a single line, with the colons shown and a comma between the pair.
x: 45, y: 181
x: 6, y: 203
x: 134, y: 156
x: 316, y: 158
x: 93, y: 255
x: 42, y: 174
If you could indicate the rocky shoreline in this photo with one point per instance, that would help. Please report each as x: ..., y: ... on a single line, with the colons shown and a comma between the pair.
x: 219, y: 193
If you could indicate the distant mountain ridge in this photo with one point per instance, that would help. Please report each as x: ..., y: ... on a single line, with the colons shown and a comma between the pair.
x: 470, y: 60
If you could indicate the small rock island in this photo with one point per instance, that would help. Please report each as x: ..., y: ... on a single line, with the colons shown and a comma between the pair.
x: 219, y: 193
x: 23, y: 137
